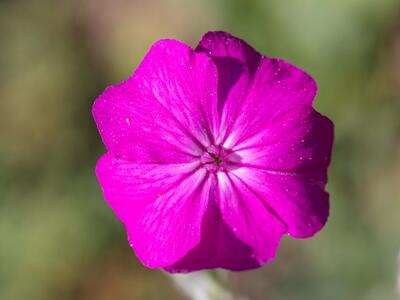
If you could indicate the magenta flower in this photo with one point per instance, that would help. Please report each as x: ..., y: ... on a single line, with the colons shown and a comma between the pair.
x: 213, y: 155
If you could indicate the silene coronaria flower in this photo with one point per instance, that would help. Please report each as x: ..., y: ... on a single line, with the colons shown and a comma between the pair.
x: 213, y: 154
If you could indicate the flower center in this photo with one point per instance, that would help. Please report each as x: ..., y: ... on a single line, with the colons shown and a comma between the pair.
x: 215, y: 158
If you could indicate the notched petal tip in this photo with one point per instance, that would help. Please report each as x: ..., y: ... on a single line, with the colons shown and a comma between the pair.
x: 168, y: 44
x: 223, y: 44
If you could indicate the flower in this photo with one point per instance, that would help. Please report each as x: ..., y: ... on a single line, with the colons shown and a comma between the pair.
x: 213, y: 155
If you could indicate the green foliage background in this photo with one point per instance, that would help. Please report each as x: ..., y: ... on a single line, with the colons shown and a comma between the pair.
x: 59, y: 240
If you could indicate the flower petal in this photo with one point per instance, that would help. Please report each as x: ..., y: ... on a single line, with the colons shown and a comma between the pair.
x: 296, y: 141
x: 162, y: 206
x: 300, y: 202
x: 218, y: 247
x: 287, y: 166
x: 252, y: 88
x: 236, y: 62
x: 275, y: 87
x: 251, y: 221
x: 169, y: 103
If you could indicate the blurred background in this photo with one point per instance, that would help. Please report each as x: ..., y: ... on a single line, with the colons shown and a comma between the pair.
x: 58, y: 238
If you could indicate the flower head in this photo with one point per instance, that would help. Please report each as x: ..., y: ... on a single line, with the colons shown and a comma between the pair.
x: 213, y: 154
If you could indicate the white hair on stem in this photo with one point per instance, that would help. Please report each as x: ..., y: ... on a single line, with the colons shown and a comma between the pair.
x: 202, y: 286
